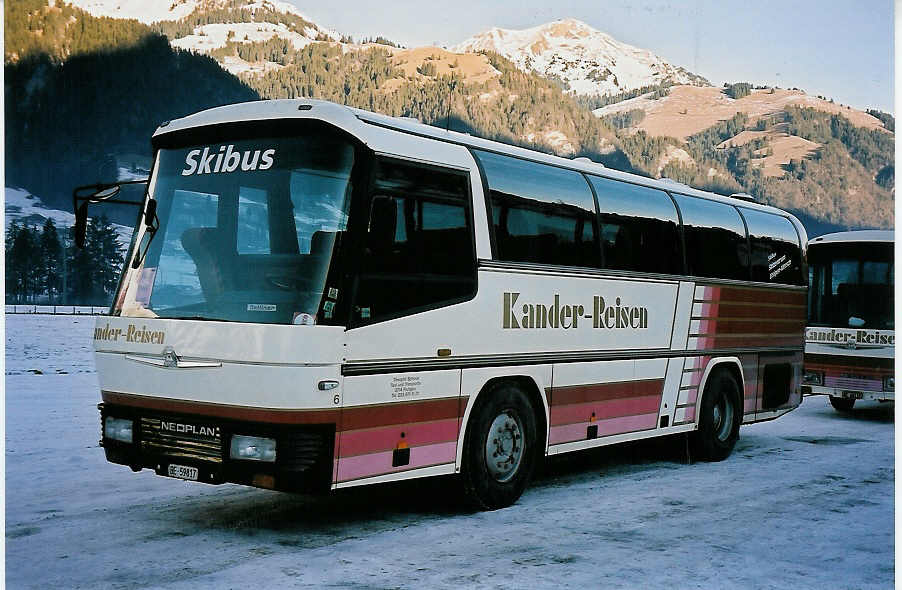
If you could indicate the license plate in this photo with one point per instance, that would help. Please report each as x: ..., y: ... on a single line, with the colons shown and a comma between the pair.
x: 183, y: 472
x: 852, y: 394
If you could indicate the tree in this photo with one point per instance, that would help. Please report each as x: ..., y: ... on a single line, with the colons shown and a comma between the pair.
x: 50, y: 261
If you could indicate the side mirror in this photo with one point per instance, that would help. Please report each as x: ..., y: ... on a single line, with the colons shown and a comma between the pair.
x: 83, y: 196
x: 81, y: 224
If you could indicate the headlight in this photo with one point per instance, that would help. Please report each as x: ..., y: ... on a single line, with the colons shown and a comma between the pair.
x: 117, y: 429
x: 813, y: 378
x: 889, y: 383
x: 253, y: 448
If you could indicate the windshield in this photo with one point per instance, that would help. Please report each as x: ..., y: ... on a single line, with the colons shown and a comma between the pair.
x: 247, y: 231
x: 851, y: 285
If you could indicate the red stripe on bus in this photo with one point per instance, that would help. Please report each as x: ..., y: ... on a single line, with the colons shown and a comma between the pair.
x: 577, y: 394
x: 756, y: 295
x: 357, y: 418
x: 577, y: 432
x: 360, y: 442
x: 603, y: 410
x: 218, y: 410
x: 740, y: 311
x: 848, y: 361
x: 725, y: 326
x: 373, y: 464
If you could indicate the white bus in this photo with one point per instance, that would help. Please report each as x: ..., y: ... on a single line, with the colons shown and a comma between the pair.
x: 850, y: 340
x: 319, y: 297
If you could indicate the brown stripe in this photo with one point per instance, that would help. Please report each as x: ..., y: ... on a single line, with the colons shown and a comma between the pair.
x: 229, y: 412
x: 739, y: 294
x: 741, y: 311
x: 399, y: 413
x: 578, y: 394
x: 849, y: 361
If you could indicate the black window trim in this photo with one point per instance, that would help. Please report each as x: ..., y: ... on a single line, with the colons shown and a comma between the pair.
x: 355, y: 322
x: 487, y: 198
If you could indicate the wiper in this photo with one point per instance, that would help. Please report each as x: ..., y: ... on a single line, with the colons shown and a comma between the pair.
x: 153, y: 224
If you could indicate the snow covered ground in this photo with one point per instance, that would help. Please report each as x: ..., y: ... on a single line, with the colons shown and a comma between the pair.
x: 805, y: 501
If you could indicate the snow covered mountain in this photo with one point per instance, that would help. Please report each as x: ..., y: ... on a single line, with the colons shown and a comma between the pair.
x: 206, y: 25
x: 587, y: 61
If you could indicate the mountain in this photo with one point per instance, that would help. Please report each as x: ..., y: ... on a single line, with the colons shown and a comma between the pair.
x: 83, y: 93
x: 585, y: 61
x: 210, y: 26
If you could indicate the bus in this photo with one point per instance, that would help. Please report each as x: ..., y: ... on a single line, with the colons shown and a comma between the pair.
x: 850, y: 339
x: 318, y: 297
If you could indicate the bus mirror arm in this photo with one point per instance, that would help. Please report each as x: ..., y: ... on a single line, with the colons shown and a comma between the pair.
x: 83, y: 196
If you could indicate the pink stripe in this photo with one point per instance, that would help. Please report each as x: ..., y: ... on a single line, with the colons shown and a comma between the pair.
x: 574, y: 432
x: 361, y: 466
x: 359, y: 442
x: 605, y: 409
x: 750, y: 405
x: 690, y: 414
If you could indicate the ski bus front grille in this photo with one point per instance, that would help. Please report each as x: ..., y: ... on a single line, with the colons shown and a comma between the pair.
x: 184, y: 445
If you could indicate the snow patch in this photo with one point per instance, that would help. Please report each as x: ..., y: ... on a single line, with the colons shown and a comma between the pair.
x: 586, y: 61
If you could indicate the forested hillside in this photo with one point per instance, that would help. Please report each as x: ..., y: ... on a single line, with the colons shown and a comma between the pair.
x: 81, y: 91
x: 69, y: 119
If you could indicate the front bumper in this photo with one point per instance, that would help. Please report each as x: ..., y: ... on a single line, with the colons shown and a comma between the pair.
x: 848, y: 393
x: 304, y: 452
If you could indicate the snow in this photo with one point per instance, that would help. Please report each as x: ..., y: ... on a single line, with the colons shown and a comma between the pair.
x: 805, y: 501
x: 24, y: 207
x: 209, y: 37
x: 149, y: 11
x: 587, y: 60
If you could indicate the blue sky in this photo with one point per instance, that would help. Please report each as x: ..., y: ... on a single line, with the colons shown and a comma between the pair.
x: 839, y: 49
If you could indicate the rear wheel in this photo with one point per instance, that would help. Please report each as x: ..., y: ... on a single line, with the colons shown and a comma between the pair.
x: 500, y: 448
x: 843, y: 404
x: 720, y: 417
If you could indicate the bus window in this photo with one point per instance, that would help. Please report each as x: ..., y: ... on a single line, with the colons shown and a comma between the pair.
x: 540, y: 213
x: 715, y: 237
x: 776, y: 255
x: 419, y: 251
x: 639, y: 228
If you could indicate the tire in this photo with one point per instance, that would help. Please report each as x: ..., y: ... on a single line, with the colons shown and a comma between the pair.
x: 719, y: 420
x: 500, y: 448
x: 842, y: 404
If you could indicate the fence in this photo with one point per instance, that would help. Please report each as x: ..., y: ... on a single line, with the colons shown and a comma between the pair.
x: 59, y: 309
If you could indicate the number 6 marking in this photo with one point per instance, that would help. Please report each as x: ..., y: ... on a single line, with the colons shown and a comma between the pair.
x: 336, y: 400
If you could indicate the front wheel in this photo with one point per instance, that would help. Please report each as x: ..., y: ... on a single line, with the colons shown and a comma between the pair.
x: 500, y: 448
x: 720, y: 417
x: 843, y: 404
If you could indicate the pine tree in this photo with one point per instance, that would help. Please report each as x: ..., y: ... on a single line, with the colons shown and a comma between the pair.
x: 50, y: 261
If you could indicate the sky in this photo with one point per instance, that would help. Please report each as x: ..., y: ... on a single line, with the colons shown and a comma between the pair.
x: 838, y: 49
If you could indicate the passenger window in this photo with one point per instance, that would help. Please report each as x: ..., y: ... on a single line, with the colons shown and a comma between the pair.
x: 716, y: 244
x: 419, y: 251
x: 640, y: 229
x: 776, y: 254
x: 540, y: 213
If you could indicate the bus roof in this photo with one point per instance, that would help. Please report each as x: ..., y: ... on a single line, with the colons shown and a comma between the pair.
x: 868, y: 235
x: 361, y: 124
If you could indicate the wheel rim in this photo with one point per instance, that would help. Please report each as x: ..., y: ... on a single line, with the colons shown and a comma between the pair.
x: 504, y: 446
x: 722, y: 418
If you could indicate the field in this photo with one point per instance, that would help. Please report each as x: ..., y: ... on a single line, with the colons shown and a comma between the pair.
x: 805, y: 501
